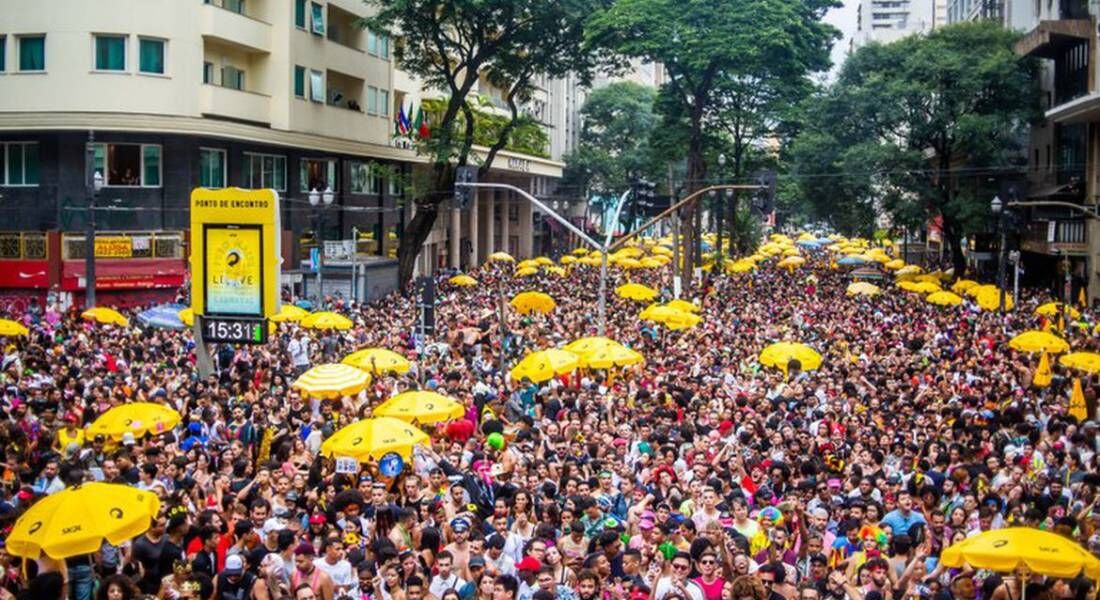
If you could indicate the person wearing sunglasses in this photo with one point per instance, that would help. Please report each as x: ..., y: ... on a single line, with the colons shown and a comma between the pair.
x: 677, y: 583
x: 709, y: 579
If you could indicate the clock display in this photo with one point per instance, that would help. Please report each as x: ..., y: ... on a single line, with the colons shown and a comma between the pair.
x: 234, y: 330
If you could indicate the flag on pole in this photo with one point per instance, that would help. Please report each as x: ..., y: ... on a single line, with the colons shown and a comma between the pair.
x: 402, y: 121
x: 1081, y: 300
x: 1042, y: 373
x: 1077, y: 406
x: 419, y: 121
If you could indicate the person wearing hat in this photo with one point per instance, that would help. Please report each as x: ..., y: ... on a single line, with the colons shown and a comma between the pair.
x: 460, y: 547
x: 235, y: 582
x: 527, y: 571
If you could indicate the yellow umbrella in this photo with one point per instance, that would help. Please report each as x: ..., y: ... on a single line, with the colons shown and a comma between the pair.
x: 501, y: 257
x: 527, y: 264
x: 791, y: 262
x: 105, y: 316
x: 544, y: 365
x: 526, y: 272
x: 528, y: 302
x: 926, y: 287
x: 976, y: 290
x: 661, y: 251
x: 138, y: 418
x: 991, y: 299
x: 683, y: 320
x: 636, y: 291
x: 1089, y: 362
x: 77, y: 520
x: 373, y: 439
x: 629, y: 252
x: 187, y: 315
x: 1055, y: 309
x: 862, y: 288
x: 544, y: 261
x: 1043, y: 374
x: 378, y: 360
x: 928, y: 277
x: 780, y: 354
x: 909, y: 270
x: 629, y: 263
x: 662, y: 314
x: 326, y: 320
x: 962, y: 285
x: 420, y: 406
x: 590, y: 344
x: 581, y: 251
x: 1023, y: 549
x: 9, y: 328
x: 568, y: 260
x: 287, y: 312
x: 611, y: 356
x: 1038, y: 341
x: 683, y: 305
x: 1077, y: 407
x: 332, y: 381
x: 894, y: 265
x: 463, y: 281
x: 651, y: 262
x: 741, y: 266
x: 560, y: 272
x: 944, y: 298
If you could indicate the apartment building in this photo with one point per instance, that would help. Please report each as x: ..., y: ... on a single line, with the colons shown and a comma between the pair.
x: 885, y: 21
x: 176, y: 94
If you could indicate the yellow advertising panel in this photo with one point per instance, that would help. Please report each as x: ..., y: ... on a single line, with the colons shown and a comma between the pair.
x: 113, y: 246
x: 235, y: 253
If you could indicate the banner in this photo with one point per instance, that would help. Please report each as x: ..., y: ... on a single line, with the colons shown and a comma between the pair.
x: 113, y: 246
x: 234, y: 270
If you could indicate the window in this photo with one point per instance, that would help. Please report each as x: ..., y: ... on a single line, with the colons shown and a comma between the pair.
x: 299, y: 81
x: 378, y: 44
x: 236, y: 6
x: 317, y: 174
x: 383, y: 102
x: 300, y: 13
x: 316, y: 86
x: 211, y: 168
x: 232, y: 77
x: 208, y: 73
x: 384, y: 46
x: 265, y: 171
x: 372, y: 100
x: 129, y: 165
x: 20, y: 163
x: 110, y: 53
x: 3, y: 52
x: 151, y: 56
x: 397, y: 187
x: 318, y: 18
x: 365, y: 179
x: 32, y: 53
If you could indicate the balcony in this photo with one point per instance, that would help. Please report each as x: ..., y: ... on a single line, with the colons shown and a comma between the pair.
x: 235, y: 29
x: 238, y: 105
x: 1056, y: 237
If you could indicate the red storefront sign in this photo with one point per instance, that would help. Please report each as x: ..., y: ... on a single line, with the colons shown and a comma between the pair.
x: 127, y: 274
x: 24, y: 274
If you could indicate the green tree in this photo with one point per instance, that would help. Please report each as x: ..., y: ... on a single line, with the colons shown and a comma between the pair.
x: 451, y: 46
x: 702, y: 46
x: 613, y: 147
x: 906, y: 122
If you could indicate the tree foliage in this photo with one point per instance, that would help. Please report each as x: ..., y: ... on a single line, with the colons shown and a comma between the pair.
x: 451, y: 46
x: 907, y: 124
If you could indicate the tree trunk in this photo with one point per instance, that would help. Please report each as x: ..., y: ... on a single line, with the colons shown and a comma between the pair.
x: 412, y: 240
x: 952, y: 236
x: 696, y: 172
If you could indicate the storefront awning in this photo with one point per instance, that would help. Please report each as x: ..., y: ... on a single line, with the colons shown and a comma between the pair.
x: 1051, y: 37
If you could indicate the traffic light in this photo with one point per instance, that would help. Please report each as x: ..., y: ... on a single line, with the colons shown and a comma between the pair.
x: 464, y: 193
x: 763, y: 201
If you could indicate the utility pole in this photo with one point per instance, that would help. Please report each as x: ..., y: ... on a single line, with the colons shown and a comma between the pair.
x: 94, y: 181
x: 676, y: 281
x: 354, y: 264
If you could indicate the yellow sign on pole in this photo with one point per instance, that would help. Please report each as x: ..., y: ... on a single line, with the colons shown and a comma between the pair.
x: 235, y: 252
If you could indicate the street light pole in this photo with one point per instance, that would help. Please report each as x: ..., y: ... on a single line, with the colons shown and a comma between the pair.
x: 608, y: 235
x: 315, y: 200
x: 721, y: 208
x: 95, y: 184
x: 998, y: 212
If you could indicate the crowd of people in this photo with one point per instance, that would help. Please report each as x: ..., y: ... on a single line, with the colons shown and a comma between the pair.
x: 698, y: 475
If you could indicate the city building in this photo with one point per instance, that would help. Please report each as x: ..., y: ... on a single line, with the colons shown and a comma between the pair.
x: 175, y: 94
x: 885, y: 21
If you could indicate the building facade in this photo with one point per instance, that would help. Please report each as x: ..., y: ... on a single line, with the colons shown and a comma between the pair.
x: 178, y: 94
x: 885, y: 21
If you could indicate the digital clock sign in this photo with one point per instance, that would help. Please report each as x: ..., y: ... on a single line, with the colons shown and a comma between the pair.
x: 233, y: 330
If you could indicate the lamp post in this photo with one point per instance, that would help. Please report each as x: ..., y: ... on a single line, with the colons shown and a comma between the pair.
x: 95, y: 184
x: 721, y: 207
x: 315, y: 200
x: 998, y: 212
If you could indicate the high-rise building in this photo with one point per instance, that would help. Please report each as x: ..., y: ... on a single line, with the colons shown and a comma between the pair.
x: 176, y: 94
x: 889, y: 20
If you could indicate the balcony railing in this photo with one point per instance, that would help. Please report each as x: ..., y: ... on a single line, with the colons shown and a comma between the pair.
x: 1053, y: 236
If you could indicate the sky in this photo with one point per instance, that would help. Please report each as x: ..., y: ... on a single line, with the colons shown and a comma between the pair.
x: 843, y: 19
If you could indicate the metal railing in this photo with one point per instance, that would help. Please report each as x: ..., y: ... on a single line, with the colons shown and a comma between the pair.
x: 23, y: 245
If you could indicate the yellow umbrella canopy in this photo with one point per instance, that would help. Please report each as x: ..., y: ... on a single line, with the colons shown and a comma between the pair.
x: 684, y: 306
x: 1023, y: 549
x: 332, y: 381
x: 636, y: 291
x: 659, y: 313
x: 1038, y: 341
x: 374, y: 438
x: 9, y: 328
x: 651, y: 262
x: 77, y: 520
x: 138, y: 418
x: 420, y: 406
x: 528, y: 302
x: 378, y: 360
x: 962, y: 285
x: 944, y: 298
x: 463, y: 281
x: 1089, y: 362
x: 1054, y: 309
x: 991, y: 299
x: 544, y: 365
x: 187, y: 315
x: 526, y: 272
x: 560, y: 272
x: 628, y: 263
x: 780, y: 354
x: 683, y: 320
x: 544, y: 261
x: 894, y: 264
x: 105, y: 316
x: 568, y: 260
x: 326, y: 320
x: 501, y: 257
x: 976, y: 290
x: 528, y: 264
x: 288, y: 312
x: 862, y: 288
x: 928, y: 277
x: 791, y: 262
x: 661, y: 251
x: 741, y: 266
x: 611, y: 356
x: 581, y: 251
x: 909, y: 270
x: 590, y: 344
x: 926, y: 287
